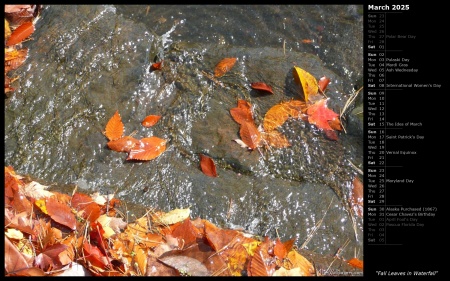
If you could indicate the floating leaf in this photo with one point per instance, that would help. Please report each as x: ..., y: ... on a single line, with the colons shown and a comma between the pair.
x: 306, y: 80
x: 208, y: 166
x: 224, y: 66
x: 114, y: 127
x: 124, y: 144
x: 150, y: 120
x: 250, y: 135
x: 275, y: 117
x: 20, y: 33
x: 147, y: 149
x: 261, y: 86
x: 319, y: 114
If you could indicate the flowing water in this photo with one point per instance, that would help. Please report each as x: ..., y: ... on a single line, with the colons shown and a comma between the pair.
x: 86, y: 62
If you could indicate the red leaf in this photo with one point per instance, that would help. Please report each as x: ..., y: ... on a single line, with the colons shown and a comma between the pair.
x: 260, y: 86
x: 319, y: 114
x: 250, y: 135
x: 60, y: 213
x: 224, y: 66
x: 94, y: 255
x: 323, y: 83
x: 156, y: 66
x: 85, y: 203
x: 147, y: 149
x: 124, y: 144
x: 208, y: 166
x: 20, y: 33
x: 114, y: 127
x: 150, y: 120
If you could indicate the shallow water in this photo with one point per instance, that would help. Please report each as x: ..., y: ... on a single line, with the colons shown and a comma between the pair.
x: 86, y: 62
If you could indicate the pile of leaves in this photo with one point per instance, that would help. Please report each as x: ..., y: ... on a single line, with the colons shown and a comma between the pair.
x: 46, y: 232
x: 19, y: 25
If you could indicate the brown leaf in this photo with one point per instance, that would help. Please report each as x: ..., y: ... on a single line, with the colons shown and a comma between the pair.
x: 208, y: 166
x: 20, y: 33
x: 150, y: 120
x: 90, y: 209
x: 357, y: 197
x: 261, y: 86
x: 147, y: 149
x: 279, y: 249
x: 262, y: 263
x: 250, y: 135
x: 186, y: 232
x: 124, y: 144
x: 224, y: 66
x: 114, y: 127
x: 61, y: 213
x: 14, y: 260
x: 49, y: 258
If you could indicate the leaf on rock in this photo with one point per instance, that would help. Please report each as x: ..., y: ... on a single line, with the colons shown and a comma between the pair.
x: 147, y: 149
x: 357, y: 197
x: 276, y: 139
x: 20, y: 33
x: 250, y: 135
x: 150, y: 120
x: 319, y: 114
x: 60, y: 213
x: 275, y: 117
x: 242, y: 113
x: 114, y: 127
x: 299, y: 261
x: 156, y: 65
x: 124, y: 144
x: 261, y: 86
x: 174, y: 216
x: 307, y: 81
x: 208, y: 166
x: 356, y: 263
x: 323, y: 83
x: 224, y: 66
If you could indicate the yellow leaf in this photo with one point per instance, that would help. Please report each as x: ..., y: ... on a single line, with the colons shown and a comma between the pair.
x: 174, y: 216
x: 14, y: 234
x: 299, y: 261
x: 41, y: 204
x: 251, y: 247
x: 307, y: 81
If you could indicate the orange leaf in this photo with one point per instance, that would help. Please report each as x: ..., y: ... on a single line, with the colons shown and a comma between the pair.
x: 275, y: 117
x: 61, y: 213
x: 323, y: 83
x: 85, y: 203
x: 260, y: 86
x: 114, y: 127
x: 124, y: 144
x: 356, y: 263
x: 357, y: 197
x: 156, y: 66
x: 250, y: 135
x: 224, y: 66
x: 150, y: 120
x: 242, y: 113
x: 147, y: 149
x: 279, y: 250
x: 20, y: 33
x: 307, y: 81
x: 276, y: 139
x: 319, y: 114
x: 262, y: 263
x: 208, y: 166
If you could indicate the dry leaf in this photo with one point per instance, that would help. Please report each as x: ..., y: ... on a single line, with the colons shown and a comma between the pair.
x: 174, y: 216
x: 60, y: 213
x: 20, y: 33
x: 224, y: 66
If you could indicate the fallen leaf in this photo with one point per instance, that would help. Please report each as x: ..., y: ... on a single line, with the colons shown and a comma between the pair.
x: 124, y: 144
x: 174, y: 216
x: 20, y: 33
x: 242, y: 113
x: 261, y: 86
x: 147, y: 149
x: 208, y: 166
x: 356, y: 263
x: 156, y: 66
x: 114, y: 127
x: 299, y: 261
x: 250, y: 135
x: 14, y: 260
x: 60, y: 213
x: 276, y: 139
x: 323, y: 83
x: 319, y: 114
x: 262, y: 263
x: 224, y: 66
x: 150, y: 120
x: 307, y: 81
x: 357, y: 197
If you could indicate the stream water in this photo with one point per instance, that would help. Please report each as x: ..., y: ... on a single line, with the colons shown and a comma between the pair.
x: 87, y: 61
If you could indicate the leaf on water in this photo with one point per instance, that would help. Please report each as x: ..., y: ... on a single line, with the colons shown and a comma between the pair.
x: 250, y: 135
x: 261, y: 86
x: 208, y: 166
x: 276, y: 139
x: 150, y: 120
x: 114, y: 127
x: 147, y: 149
x: 174, y: 216
x: 323, y: 83
x: 307, y: 81
x: 224, y: 66
x: 242, y: 113
x: 356, y: 263
x: 20, y: 33
x: 124, y: 144
x: 156, y: 65
x: 60, y: 213
x: 357, y: 197
x: 319, y: 114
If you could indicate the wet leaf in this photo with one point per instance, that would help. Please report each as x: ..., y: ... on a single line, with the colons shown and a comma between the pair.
x: 279, y: 250
x: 261, y: 86
x: 319, y: 114
x: 307, y: 81
x: 60, y: 213
x: 262, y: 263
x: 156, y: 65
x: 357, y: 197
x: 124, y: 144
x: 114, y: 128
x: 250, y: 135
x: 242, y: 113
x: 208, y: 166
x: 275, y: 117
x: 323, y: 83
x: 276, y: 139
x: 150, y: 120
x: 15, y: 59
x: 224, y: 66
x: 147, y: 149
x: 356, y: 263
x: 20, y: 33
